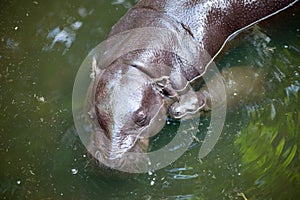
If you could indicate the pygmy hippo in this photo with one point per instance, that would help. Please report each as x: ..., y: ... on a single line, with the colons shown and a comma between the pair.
x: 130, y: 99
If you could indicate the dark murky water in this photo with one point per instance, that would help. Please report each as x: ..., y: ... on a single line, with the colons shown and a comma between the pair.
x: 42, y: 46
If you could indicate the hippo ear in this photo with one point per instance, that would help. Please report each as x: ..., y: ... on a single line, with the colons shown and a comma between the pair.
x: 96, y: 71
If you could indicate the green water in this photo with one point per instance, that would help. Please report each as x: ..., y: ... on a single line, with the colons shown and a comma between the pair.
x: 42, y: 44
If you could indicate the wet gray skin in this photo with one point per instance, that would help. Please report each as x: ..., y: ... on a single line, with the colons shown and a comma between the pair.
x: 131, y: 98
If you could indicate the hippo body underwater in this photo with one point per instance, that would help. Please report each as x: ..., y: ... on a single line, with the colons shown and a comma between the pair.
x: 129, y: 100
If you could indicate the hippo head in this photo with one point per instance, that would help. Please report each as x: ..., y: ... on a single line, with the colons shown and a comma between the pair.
x: 127, y: 109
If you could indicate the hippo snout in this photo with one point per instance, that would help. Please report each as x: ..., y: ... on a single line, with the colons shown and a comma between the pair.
x: 125, y: 154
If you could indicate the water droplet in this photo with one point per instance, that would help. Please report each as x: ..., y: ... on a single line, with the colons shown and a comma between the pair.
x: 152, y: 183
x: 76, y: 25
x: 74, y: 171
x: 273, y: 112
x: 41, y: 99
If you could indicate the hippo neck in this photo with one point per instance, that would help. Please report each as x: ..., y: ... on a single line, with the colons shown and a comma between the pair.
x: 209, y: 22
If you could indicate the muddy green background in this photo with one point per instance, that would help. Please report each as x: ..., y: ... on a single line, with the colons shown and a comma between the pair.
x: 42, y: 44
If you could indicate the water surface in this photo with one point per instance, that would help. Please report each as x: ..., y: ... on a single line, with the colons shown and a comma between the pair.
x: 42, y: 46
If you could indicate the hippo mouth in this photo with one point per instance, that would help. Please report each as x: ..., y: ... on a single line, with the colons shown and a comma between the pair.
x: 117, y: 158
x: 116, y: 153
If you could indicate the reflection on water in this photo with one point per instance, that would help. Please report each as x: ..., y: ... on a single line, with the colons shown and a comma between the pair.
x: 41, y: 48
x: 125, y: 3
x: 66, y: 36
x: 271, y: 159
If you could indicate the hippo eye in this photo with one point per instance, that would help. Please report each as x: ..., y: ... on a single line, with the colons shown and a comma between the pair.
x: 141, y: 118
